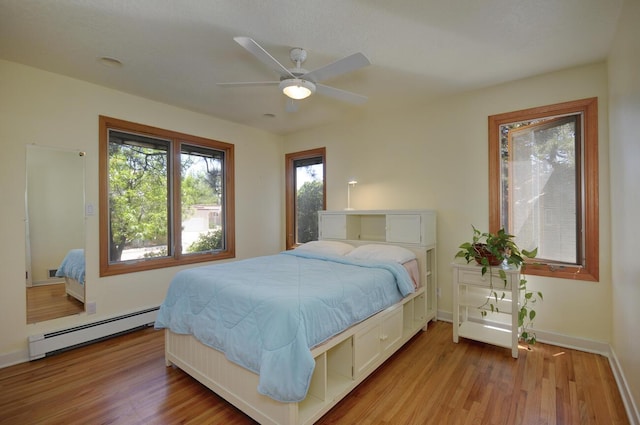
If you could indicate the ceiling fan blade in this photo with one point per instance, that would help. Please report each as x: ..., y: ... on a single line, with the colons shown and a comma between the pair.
x: 249, y: 84
x: 343, y: 95
x: 341, y: 66
x: 291, y: 105
x: 264, y: 56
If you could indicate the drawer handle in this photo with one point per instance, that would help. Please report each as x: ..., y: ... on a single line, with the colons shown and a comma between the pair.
x: 384, y: 337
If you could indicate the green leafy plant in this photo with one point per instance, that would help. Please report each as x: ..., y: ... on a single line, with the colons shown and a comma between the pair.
x: 493, y: 249
x: 210, y: 241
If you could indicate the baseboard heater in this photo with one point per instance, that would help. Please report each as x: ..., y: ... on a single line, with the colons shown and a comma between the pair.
x: 55, y: 342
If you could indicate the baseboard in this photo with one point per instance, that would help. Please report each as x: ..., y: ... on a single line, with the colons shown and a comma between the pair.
x: 445, y: 316
x: 625, y: 392
x: 47, y: 282
x: 14, y: 358
x: 581, y: 344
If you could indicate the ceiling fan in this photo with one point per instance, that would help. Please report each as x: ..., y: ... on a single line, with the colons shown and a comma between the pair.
x: 297, y: 83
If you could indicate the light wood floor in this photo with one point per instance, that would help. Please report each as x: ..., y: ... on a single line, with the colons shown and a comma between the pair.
x: 431, y: 380
x: 47, y: 302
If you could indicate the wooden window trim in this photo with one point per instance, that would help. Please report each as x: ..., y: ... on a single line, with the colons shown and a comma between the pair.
x: 589, y: 109
x: 290, y: 192
x: 108, y: 269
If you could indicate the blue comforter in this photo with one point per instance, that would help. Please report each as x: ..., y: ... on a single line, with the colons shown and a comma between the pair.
x: 266, y: 313
x: 73, y: 265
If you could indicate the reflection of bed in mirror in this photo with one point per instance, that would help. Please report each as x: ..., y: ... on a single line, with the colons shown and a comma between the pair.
x: 72, y: 269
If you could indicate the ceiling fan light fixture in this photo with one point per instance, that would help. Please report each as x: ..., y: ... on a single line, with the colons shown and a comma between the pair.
x: 297, y: 89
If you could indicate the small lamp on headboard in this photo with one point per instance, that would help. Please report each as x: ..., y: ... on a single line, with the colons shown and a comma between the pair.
x: 351, y: 184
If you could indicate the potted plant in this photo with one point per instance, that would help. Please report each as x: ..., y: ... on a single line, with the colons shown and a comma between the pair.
x: 493, y: 249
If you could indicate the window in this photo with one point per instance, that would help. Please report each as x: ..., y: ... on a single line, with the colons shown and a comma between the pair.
x: 543, y: 172
x: 166, y: 198
x: 305, y: 195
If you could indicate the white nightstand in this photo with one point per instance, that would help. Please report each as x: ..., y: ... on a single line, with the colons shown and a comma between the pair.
x: 470, y: 290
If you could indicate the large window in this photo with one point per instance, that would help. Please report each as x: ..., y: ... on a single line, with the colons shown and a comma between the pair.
x: 544, y: 185
x: 305, y: 194
x: 166, y: 198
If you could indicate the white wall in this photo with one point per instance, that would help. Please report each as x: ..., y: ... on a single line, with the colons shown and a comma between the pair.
x: 437, y: 157
x: 51, y: 110
x: 624, y: 92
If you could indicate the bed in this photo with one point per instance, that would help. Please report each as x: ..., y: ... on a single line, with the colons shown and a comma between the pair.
x: 315, y: 322
x: 72, y: 269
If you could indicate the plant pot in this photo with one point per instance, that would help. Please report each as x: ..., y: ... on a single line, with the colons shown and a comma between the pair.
x: 482, y: 252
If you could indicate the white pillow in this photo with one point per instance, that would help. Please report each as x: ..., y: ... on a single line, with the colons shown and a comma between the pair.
x: 326, y: 247
x: 378, y: 252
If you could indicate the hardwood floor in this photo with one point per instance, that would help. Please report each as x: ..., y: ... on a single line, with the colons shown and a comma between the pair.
x: 49, y: 302
x: 431, y: 380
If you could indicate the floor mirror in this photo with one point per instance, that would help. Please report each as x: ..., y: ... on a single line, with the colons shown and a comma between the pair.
x: 55, y: 232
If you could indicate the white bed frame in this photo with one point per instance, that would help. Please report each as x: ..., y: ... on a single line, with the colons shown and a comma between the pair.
x: 74, y: 288
x: 341, y: 363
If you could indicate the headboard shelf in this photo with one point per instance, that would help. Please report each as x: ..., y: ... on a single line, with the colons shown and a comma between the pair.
x: 416, y: 227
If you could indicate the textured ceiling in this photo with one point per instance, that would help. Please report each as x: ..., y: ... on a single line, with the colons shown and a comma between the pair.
x: 176, y: 51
